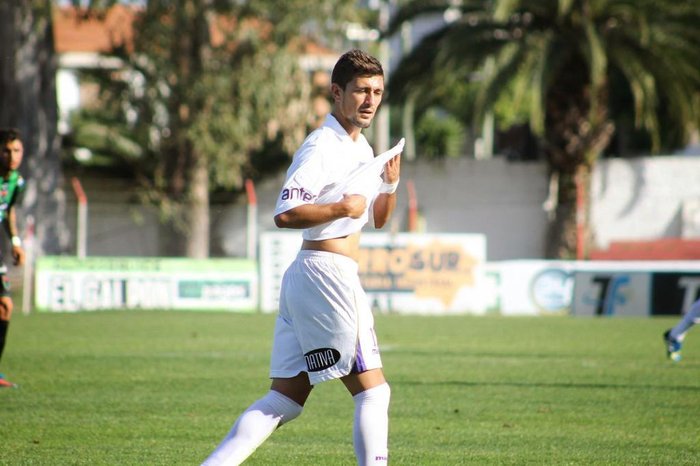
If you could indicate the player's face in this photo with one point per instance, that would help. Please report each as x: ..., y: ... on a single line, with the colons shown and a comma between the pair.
x: 357, y: 104
x: 12, y: 154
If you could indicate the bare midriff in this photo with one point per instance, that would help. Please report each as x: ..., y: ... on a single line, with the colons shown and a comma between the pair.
x: 348, y: 246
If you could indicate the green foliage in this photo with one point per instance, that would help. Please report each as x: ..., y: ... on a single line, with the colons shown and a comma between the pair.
x: 439, y: 135
x: 240, y: 118
x: 218, y: 80
x: 533, y: 54
x: 203, y: 99
x: 163, y: 388
x: 512, y: 106
x: 108, y: 142
x: 561, y: 66
x: 207, y: 93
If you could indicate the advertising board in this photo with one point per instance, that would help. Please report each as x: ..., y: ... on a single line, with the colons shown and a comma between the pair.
x: 534, y: 287
x: 68, y: 284
x: 406, y: 273
x: 635, y: 288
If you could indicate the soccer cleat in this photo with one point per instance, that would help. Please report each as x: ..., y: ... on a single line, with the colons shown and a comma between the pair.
x: 673, y: 347
x: 4, y: 383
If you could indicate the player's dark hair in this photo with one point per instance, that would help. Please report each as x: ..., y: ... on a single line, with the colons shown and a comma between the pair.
x: 8, y: 135
x: 353, y: 64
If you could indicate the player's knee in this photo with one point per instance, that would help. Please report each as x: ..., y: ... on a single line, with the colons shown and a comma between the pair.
x: 6, y: 307
x: 384, y: 393
x: 292, y: 413
x: 379, y: 395
x: 285, y: 408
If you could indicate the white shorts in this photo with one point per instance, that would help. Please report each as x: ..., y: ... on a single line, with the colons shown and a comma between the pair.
x: 325, y: 325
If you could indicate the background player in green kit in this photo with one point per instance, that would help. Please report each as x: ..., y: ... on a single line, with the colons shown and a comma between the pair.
x: 11, y: 185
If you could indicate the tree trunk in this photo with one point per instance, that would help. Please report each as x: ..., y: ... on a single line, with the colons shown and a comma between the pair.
x: 561, y: 230
x: 28, y: 102
x: 198, y: 213
x: 568, y: 231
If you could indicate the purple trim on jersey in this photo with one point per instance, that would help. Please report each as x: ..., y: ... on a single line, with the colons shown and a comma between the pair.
x: 360, y: 365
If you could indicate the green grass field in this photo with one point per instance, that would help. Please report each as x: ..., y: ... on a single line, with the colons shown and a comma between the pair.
x: 162, y: 388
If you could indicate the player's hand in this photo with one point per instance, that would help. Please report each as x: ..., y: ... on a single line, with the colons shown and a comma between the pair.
x: 17, y: 255
x: 392, y: 170
x: 354, y: 205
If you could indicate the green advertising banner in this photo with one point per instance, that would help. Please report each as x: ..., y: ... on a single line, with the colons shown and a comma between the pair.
x: 69, y: 284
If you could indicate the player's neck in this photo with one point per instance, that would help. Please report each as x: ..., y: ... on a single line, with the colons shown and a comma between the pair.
x: 352, y: 130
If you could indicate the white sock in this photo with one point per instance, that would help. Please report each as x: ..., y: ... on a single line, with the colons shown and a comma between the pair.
x: 371, y: 429
x: 252, y: 428
x: 690, y: 318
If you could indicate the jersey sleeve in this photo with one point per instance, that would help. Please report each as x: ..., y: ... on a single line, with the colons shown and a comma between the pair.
x: 305, y: 180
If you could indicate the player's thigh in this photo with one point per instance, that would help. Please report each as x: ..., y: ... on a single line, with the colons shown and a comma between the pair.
x: 295, y: 388
x: 359, y: 382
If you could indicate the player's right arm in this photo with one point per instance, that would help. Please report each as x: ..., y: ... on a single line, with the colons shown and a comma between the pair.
x: 11, y: 228
x: 306, y: 178
x: 310, y: 215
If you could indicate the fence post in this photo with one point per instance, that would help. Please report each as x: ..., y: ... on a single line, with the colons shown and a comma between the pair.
x: 252, y: 223
x: 28, y: 273
x: 81, y: 247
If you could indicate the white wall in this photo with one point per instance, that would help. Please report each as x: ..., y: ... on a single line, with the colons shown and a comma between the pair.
x: 644, y: 198
x: 631, y: 199
x: 494, y: 197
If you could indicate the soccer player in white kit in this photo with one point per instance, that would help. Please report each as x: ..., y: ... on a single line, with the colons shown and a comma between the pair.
x: 325, y: 327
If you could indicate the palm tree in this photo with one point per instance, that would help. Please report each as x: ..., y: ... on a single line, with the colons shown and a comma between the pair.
x: 563, y: 56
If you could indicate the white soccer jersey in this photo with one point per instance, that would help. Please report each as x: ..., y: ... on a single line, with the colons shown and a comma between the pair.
x: 324, y: 160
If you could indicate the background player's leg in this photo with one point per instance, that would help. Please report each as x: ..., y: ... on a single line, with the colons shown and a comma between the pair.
x: 4, y: 324
x: 5, y: 314
x: 690, y: 318
x: 673, y: 338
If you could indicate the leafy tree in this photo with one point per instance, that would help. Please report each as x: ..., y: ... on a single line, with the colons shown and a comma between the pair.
x: 559, y: 61
x: 439, y: 135
x: 209, y: 86
x: 28, y: 102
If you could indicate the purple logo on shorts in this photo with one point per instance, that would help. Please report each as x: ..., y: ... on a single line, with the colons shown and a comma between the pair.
x: 321, y: 358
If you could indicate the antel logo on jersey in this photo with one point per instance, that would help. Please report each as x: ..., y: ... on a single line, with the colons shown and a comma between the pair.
x: 321, y: 358
x: 298, y: 193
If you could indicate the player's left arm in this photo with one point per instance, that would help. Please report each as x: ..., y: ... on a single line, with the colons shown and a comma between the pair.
x: 13, y: 232
x: 385, y: 202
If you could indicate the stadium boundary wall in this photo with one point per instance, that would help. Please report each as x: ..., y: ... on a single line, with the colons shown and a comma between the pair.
x: 630, y: 199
